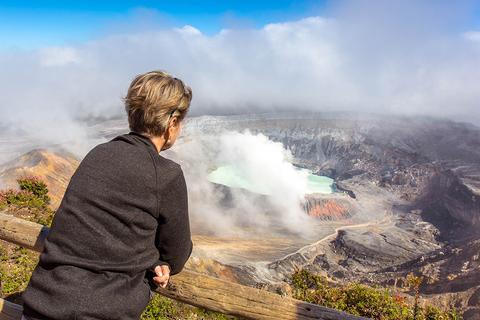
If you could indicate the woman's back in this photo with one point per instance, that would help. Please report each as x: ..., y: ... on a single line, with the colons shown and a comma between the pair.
x: 124, y: 211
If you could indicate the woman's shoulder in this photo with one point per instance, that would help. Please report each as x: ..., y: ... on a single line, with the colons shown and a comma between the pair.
x: 170, y: 171
x: 169, y: 164
x: 131, y: 154
x: 116, y: 158
x: 120, y: 148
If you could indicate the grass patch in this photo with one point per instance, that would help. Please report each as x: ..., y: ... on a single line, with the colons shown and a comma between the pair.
x: 16, y: 268
x: 163, y: 308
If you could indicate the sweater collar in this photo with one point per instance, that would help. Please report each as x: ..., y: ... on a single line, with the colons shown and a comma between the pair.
x: 146, y: 140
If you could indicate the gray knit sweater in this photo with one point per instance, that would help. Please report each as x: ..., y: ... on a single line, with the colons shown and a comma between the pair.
x: 124, y: 212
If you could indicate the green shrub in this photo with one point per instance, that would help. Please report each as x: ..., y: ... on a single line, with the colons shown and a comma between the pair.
x: 21, y: 198
x: 373, y: 303
x: 33, y: 195
x: 434, y: 313
x: 362, y: 300
x: 163, y: 308
x: 36, y: 186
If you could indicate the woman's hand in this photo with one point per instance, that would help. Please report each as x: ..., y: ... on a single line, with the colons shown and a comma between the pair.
x: 162, y: 275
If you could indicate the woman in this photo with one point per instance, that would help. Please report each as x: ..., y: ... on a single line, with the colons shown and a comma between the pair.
x: 122, y: 227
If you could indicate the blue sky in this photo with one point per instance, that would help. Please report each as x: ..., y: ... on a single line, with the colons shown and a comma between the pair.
x: 32, y: 24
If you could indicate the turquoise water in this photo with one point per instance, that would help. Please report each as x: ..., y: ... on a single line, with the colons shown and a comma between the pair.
x: 232, y: 177
x: 319, y: 184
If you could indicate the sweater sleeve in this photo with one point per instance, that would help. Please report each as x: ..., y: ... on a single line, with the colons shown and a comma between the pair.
x: 173, y: 238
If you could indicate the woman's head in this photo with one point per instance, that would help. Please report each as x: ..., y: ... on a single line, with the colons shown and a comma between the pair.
x: 156, y: 103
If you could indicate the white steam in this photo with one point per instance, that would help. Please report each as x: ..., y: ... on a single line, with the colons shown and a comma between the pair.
x: 263, y: 162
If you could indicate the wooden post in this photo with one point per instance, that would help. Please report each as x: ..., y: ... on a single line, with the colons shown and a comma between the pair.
x: 238, y: 300
x: 193, y: 288
x: 25, y: 233
x: 10, y: 311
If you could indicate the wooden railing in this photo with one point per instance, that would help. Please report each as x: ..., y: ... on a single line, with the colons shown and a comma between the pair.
x: 187, y: 286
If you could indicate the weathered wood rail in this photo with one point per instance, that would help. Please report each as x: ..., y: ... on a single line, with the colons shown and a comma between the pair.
x: 187, y: 286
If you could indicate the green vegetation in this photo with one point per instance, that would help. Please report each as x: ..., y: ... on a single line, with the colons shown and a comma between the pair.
x: 32, y: 196
x: 16, y: 266
x: 362, y: 300
x: 36, y: 187
x: 30, y: 202
x: 164, y: 308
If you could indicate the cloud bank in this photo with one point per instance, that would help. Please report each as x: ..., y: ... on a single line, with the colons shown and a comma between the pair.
x: 408, y: 57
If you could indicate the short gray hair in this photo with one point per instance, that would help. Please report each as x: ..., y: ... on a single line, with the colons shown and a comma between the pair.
x: 153, y: 98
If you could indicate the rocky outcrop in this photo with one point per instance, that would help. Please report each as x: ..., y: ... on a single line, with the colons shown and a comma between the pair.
x: 451, y: 276
x: 451, y: 201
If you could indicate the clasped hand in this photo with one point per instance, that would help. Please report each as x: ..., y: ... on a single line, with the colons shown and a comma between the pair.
x: 162, y: 275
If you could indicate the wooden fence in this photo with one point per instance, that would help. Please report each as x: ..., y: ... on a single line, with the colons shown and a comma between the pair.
x: 187, y: 286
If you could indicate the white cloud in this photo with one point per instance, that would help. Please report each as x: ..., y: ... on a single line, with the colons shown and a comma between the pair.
x: 189, y: 30
x: 472, y: 36
x: 402, y: 57
x: 58, y: 56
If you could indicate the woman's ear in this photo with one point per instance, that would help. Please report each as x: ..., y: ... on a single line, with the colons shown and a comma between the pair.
x: 167, y: 133
x: 172, y: 126
x: 174, y: 121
